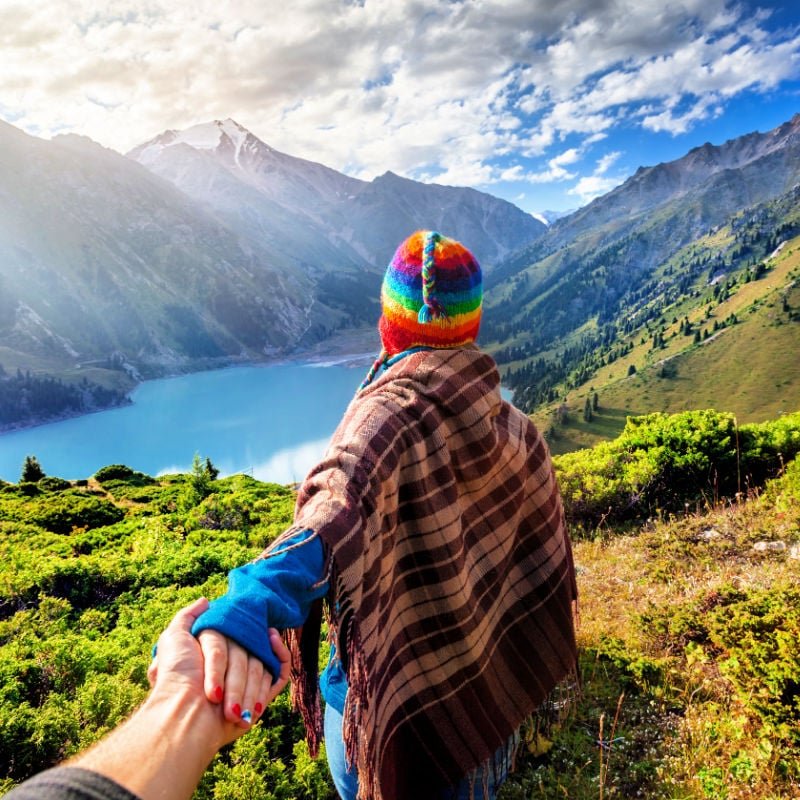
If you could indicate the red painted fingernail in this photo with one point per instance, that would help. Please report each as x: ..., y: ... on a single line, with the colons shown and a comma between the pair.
x: 237, y: 709
x: 259, y: 708
x: 218, y: 692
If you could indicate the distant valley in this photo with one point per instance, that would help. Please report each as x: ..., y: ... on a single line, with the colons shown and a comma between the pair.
x: 207, y: 247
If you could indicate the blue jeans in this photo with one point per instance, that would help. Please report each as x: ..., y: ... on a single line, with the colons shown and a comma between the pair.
x: 346, y: 782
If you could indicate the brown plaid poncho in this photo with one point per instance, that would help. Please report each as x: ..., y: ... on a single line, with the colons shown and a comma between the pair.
x: 451, y: 574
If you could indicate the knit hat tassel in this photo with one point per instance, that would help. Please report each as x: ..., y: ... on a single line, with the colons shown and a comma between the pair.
x: 425, y: 315
x: 431, y: 308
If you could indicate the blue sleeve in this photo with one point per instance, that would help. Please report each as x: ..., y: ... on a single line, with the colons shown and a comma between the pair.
x: 273, y: 592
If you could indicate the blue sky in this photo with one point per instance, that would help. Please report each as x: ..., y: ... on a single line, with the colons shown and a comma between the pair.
x: 547, y: 104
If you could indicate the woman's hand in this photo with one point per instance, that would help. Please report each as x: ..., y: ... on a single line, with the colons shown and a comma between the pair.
x: 237, y: 679
x: 227, y: 673
x: 161, y: 751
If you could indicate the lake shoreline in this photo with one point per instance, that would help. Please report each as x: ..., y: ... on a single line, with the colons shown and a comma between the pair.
x: 272, y: 420
x: 351, y: 348
x: 15, y: 427
x: 329, y: 352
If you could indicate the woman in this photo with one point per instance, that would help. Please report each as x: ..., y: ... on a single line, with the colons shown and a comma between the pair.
x: 433, y: 532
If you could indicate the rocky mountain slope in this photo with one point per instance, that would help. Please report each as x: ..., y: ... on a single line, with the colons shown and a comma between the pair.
x: 601, y: 279
x: 315, y: 214
x: 99, y: 256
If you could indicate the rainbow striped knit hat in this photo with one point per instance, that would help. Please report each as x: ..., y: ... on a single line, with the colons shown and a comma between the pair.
x: 431, y: 297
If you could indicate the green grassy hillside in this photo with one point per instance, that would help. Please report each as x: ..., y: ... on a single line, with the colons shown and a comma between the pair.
x: 748, y: 365
x: 689, y: 616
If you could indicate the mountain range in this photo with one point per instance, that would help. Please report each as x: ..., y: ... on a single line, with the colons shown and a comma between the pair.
x: 201, y: 247
x: 346, y: 223
x: 207, y: 246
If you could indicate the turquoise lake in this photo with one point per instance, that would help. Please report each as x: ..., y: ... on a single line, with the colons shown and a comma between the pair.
x: 272, y: 422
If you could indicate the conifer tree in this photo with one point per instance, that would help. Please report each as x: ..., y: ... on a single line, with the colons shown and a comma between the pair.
x: 200, y: 479
x: 31, y: 470
x: 211, y: 470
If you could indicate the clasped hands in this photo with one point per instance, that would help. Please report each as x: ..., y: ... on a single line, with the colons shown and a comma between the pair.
x: 215, y: 666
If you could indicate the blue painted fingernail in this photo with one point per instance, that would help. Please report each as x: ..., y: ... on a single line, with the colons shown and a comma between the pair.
x: 247, y: 716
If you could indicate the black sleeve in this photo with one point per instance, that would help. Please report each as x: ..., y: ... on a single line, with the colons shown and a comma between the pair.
x: 69, y: 783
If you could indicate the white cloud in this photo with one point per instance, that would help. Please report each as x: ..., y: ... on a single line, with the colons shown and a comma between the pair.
x: 567, y: 157
x: 669, y: 120
x: 592, y: 186
x: 292, y: 464
x: 607, y: 161
x: 555, y: 170
x: 469, y: 92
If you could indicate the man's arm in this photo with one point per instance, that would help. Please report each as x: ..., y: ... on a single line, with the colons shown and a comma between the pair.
x: 161, y: 752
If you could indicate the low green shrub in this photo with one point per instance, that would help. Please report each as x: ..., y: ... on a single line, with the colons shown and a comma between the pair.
x: 785, y: 490
x: 754, y: 636
x: 113, y: 472
x: 767, y: 447
x: 663, y: 463
x: 761, y: 635
x: 64, y: 512
x: 53, y: 484
x: 222, y: 512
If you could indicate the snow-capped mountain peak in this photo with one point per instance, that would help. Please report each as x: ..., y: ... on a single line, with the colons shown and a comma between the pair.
x: 210, y: 135
x: 346, y: 221
x: 220, y: 135
x: 549, y: 217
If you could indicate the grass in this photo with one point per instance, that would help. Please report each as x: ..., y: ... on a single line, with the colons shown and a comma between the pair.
x: 750, y: 368
x: 577, y: 434
x: 687, y: 663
